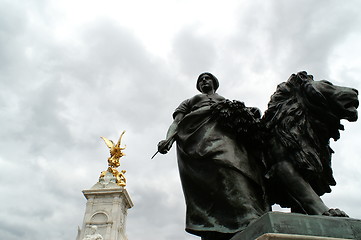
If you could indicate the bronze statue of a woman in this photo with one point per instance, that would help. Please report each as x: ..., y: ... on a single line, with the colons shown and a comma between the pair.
x: 221, y: 179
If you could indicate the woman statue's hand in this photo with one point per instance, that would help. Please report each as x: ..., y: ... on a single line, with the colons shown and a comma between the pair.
x: 164, y: 146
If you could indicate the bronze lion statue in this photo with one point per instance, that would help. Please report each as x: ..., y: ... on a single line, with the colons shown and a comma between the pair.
x: 302, y: 116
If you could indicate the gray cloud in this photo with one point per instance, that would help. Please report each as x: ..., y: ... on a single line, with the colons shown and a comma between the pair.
x: 193, y: 51
x: 59, y: 95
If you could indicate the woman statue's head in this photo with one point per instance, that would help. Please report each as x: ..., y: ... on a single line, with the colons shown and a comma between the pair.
x: 205, y: 80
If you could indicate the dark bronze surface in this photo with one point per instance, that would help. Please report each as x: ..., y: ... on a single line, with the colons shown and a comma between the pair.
x: 234, y: 164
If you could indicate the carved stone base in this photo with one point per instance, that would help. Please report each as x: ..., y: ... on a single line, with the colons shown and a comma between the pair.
x: 281, y: 236
x: 106, y: 208
x: 276, y: 225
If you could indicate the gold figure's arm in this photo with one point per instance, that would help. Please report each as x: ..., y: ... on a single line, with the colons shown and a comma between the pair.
x: 116, y: 150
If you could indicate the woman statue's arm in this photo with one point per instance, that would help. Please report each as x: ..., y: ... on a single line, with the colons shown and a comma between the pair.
x: 165, y: 145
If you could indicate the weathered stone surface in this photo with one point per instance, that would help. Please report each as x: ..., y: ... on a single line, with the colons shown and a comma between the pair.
x: 301, y: 225
x: 281, y: 236
x: 106, y: 208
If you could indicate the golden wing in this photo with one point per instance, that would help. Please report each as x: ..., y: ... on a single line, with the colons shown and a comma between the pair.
x: 120, y: 140
x: 108, y: 142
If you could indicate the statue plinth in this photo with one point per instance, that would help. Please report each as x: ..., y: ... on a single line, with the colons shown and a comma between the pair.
x: 107, y: 201
x: 277, y: 225
x: 106, y: 208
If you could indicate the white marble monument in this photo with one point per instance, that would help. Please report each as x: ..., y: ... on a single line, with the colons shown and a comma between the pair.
x: 107, y: 202
x: 106, y: 209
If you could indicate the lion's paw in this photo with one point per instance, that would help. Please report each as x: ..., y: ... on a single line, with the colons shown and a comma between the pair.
x: 335, y: 212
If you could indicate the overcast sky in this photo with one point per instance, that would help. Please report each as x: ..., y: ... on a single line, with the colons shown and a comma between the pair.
x: 72, y: 71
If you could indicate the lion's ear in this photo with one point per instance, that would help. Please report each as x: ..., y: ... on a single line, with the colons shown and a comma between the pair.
x: 304, y: 76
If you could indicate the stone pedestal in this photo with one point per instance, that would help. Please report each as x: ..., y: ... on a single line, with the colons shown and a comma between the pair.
x: 106, y: 208
x: 281, y: 236
x: 277, y: 226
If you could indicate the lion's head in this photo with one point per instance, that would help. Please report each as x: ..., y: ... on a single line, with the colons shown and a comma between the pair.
x: 302, y: 116
x: 341, y: 102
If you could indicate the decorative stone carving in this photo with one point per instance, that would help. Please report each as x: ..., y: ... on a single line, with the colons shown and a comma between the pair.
x: 93, y: 234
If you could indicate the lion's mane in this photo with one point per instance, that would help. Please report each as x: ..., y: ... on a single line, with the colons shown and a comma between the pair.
x: 299, y: 125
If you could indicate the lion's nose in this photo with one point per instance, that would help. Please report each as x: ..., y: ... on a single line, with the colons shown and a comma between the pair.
x: 355, y: 90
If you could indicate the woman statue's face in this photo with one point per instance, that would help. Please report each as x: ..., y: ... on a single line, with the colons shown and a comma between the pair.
x: 206, y: 83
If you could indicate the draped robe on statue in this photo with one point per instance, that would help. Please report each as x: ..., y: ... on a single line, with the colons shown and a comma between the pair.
x: 221, y: 180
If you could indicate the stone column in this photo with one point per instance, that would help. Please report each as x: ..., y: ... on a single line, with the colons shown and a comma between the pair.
x: 106, y: 208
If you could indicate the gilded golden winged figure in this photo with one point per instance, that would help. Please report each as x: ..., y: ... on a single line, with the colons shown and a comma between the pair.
x: 115, y: 151
x: 113, y: 161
